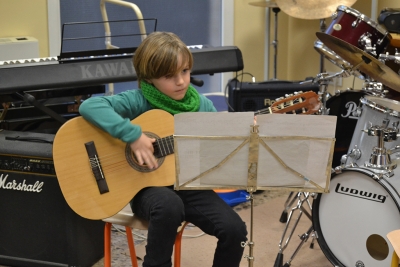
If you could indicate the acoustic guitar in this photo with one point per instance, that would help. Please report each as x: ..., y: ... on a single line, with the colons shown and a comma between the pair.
x: 99, y: 175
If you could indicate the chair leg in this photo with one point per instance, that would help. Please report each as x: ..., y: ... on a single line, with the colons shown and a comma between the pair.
x: 131, y: 245
x: 107, y: 245
x: 395, y: 260
x: 178, y: 246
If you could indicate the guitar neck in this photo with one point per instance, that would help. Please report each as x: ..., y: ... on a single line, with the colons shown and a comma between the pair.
x: 263, y: 111
x: 163, y: 146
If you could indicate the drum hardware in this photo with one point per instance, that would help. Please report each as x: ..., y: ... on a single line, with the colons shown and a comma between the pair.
x: 275, y: 42
x: 365, y: 41
x: 288, y: 204
x: 335, y: 59
x: 386, y: 56
x: 374, y: 88
x: 354, y: 153
x: 380, y: 158
x: 362, y: 61
x: 304, y: 237
x: 322, y: 28
x: 302, y: 197
x: 276, y: 10
x: 323, y: 79
x: 378, y: 111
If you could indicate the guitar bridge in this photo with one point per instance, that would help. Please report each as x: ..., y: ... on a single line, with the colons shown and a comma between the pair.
x: 96, y: 167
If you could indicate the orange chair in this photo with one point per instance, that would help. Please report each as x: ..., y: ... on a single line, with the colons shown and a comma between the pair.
x: 130, y: 221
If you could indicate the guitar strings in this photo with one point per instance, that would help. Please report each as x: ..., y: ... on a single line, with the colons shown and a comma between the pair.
x: 109, y: 164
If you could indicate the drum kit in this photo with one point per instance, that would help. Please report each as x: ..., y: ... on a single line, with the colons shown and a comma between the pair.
x: 351, y: 222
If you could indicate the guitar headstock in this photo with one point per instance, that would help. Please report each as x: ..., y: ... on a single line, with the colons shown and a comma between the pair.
x: 298, y: 103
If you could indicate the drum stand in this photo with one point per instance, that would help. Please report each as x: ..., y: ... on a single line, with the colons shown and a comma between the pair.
x: 323, y: 79
x: 301, y: 197
x: 322, y: 27
x: 275, y: 42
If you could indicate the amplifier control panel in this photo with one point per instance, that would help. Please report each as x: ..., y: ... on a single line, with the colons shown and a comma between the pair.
x: 27, y: 164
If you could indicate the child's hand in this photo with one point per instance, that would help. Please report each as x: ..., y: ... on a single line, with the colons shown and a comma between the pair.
x: 144, y: 151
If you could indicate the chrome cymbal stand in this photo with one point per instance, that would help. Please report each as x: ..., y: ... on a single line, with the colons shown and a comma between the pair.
x: 322, y: 27
x: 276, y: 10
x: 288, y: 205
x: 302, y: 197
x: 323, y: 79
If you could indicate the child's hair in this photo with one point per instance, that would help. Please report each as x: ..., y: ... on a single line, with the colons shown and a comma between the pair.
x: 157, y: 56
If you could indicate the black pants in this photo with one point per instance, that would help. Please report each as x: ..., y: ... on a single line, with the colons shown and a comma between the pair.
x: 166, y: 209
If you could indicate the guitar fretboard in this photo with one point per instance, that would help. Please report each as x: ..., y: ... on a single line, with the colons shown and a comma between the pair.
x: 164, y: 146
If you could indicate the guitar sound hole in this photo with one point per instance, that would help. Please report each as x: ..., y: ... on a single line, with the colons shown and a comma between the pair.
x: 131, y: 158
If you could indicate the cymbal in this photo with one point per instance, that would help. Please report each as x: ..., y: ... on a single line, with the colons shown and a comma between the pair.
x: 362, y: 61
x: 266, y: 3
x: 312, y: 9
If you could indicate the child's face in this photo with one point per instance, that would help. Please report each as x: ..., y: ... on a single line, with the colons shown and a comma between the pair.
x: 174, y: 86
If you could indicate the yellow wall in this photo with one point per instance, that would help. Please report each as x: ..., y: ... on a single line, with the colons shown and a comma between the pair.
x: 297, y: 57
x: 25, y: 18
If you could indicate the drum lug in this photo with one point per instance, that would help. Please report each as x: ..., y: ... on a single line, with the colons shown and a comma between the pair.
x: 356, y: 22
x: 355, y: 153
x: 338, y: 169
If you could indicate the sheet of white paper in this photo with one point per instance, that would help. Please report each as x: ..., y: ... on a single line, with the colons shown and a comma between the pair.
x: 221, y: 163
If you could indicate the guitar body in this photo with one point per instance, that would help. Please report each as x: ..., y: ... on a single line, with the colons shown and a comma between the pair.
x: 124, y: 177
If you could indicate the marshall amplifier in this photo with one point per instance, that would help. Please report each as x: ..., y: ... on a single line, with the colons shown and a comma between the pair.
x: 245, y: 96
x: 37, y: 227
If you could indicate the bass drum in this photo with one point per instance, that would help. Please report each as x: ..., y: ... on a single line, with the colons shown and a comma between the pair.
x: 343, y: 105
x: 352, y: 221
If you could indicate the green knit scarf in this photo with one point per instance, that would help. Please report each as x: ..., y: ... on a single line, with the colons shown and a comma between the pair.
x: 190, y: 103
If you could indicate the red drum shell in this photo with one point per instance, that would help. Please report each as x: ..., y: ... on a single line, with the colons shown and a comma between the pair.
x: 350, y: 26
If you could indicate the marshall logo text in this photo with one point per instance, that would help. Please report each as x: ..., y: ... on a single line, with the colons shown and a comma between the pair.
x: 359, y: 193
x: 13, y: 185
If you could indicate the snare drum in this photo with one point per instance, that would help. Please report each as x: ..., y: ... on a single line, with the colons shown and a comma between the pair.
x: 374, y: 110
x: 358, y: 30
x: 352, y: 221
x: 343, y: 105
x: 335, y: 58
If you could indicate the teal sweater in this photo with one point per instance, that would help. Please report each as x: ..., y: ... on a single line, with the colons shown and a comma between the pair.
x: 114, y: 113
